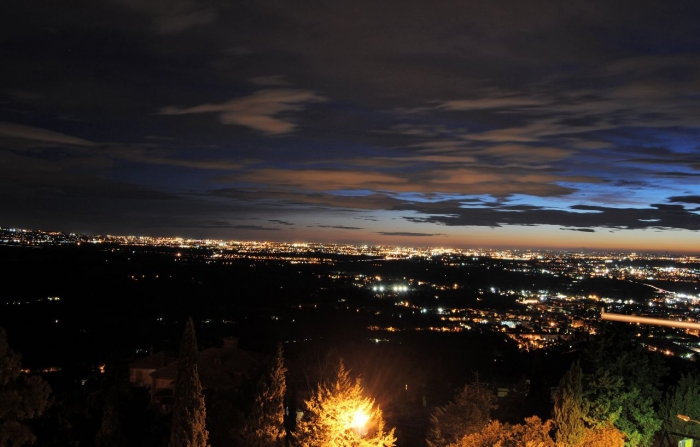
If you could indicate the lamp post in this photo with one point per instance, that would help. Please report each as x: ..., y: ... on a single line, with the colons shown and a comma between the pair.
x: 686, y: 418
x: 668, y: 440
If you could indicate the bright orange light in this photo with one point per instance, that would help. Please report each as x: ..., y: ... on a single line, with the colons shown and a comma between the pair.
x: 359, y: 419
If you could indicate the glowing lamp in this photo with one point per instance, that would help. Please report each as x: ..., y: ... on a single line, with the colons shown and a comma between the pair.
x: 359, y: 419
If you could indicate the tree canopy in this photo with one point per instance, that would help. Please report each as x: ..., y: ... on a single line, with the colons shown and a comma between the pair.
x: 467, y: 413
x: 22, y: 397
x: 682, y: 398
x: 338, y: 414
x: 622, y: 386
x: 533, y: 433
x: 265, y: 425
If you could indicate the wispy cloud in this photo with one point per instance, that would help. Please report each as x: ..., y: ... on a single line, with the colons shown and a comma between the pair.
x: 582, y: 230
x: 281, y: 222
x: 273, y: 81
x: 39, y: 135
x: 174, y: 16
x: 339, y: 227
x: 493, y: 102
x: 408, y: 234
x: 282, y: 198
x: 265, y: 110
x: 443, y: 179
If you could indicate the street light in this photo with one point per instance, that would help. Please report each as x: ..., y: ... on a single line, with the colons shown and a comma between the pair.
x: 686, y: 418
x: 359, y: 419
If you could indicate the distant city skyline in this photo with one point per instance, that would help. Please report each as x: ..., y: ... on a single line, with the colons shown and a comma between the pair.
x: 43, y: 237
x: 456, y: 124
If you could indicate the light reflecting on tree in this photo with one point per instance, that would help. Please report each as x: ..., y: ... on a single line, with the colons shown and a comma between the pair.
x: 339, y: 415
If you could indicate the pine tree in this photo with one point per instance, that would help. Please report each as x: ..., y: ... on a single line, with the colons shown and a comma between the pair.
x: 468, y: 413
x: 265, y: 425
x: 569, y: 408
x: 622, y: 386
x: 513, y: 406
x: 111, y: 433
x: 339, y: 415
x: 189, y: 413
x: 22, y: 398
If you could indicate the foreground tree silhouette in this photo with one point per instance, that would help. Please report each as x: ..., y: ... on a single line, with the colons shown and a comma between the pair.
x: 265, y: 425
x: 189, y: 413
x: 569, y: 408
x: 111, y: 433
x: 21, y: 398
x: 573, y: 427
x: 622, y: 385
x: 467, y: 413
x: 339, y: 415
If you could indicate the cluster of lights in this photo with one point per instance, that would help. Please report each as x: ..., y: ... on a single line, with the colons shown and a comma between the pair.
x: 395, y: 288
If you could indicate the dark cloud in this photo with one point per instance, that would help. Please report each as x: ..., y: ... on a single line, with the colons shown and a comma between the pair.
x: 174, y: 16
x: 584, y: 230
x: 685, y: 199
x: 223, y: 225
x: 408, y: 234
x: 252, y: 227
x: 339, y: 227
x: 40, y: 136
x: 295, y: 198
x: 281, y: 222
x: 579, y: 216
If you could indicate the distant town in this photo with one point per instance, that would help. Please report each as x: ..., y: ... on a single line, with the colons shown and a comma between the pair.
x: 539, y: 300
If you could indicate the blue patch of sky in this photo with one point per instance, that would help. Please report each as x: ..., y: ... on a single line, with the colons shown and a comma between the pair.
x: 679, y: 139
x: 622, y: 196
x: 540, y: 202
x: 684, y: 140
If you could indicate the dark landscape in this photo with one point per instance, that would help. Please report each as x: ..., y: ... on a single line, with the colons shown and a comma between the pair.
x: 80, y: 313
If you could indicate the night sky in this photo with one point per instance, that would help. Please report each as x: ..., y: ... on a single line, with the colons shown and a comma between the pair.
x: 540, y: 124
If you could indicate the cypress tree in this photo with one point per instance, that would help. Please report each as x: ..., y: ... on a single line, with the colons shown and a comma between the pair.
x: 111, y: 433
x: 189, y: 413
x: 265, y: 425
x: 569, y: 408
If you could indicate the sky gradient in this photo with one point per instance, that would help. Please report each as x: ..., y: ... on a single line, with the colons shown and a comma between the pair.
x: 572, y: 125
